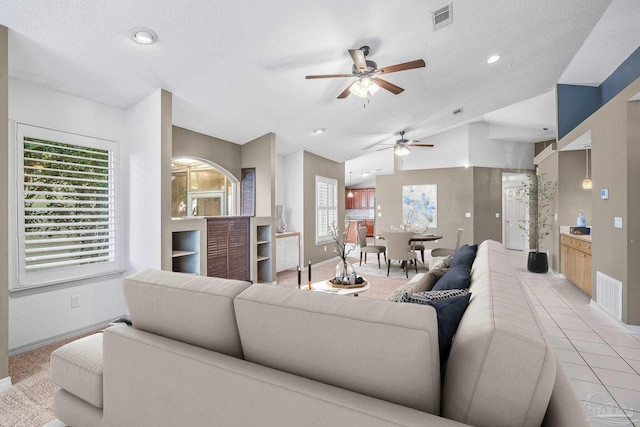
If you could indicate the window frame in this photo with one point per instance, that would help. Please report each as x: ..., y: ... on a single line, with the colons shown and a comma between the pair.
x: 62, y: 274
x: 331, y: 211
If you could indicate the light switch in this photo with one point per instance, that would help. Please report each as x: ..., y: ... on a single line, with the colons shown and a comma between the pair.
x: 555, y: 217
x: 617, y: 222
x: 379, y: 213
x: 497, y: 214
x: 468, y: 214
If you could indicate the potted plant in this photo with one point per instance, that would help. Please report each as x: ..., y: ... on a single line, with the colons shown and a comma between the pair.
x: 345, y: 272
x: 538, y: 195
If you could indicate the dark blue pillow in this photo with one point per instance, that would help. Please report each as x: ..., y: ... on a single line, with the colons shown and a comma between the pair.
x: 449, y: 312
x: 456, y: 278
x: 464, y: 256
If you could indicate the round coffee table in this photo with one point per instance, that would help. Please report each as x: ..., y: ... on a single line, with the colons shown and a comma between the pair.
x: 326, y: 287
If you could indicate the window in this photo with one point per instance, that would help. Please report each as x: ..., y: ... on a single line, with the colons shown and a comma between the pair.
x: 67, y: 222
x: 326, y: 207
x: 199, y: 189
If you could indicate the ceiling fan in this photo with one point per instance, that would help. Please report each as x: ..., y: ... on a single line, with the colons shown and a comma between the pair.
x: 367, y: 71
x: 401, y: 146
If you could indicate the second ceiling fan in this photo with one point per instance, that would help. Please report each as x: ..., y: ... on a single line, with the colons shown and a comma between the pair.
x: 367, y: 72
x: 402, y: 146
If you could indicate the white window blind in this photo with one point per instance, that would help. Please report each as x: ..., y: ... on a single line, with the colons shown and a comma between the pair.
x: 67, y: 221
x: 326, y: 207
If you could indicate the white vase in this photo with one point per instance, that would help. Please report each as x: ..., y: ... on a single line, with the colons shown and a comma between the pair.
x: 281, y: 225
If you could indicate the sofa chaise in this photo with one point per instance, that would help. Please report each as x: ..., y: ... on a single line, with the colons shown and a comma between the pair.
x: 217, y: 352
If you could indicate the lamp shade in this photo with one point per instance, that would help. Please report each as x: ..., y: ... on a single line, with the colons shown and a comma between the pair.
x: 587, y: 184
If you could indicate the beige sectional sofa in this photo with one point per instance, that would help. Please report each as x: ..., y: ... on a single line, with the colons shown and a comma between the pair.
x: 217, y: 352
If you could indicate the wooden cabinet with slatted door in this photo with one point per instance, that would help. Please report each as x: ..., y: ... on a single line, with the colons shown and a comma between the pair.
x: 228, y: 247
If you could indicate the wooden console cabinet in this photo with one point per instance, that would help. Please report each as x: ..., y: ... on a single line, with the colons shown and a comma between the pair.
x: 228, y: 247
x: 575, y: 261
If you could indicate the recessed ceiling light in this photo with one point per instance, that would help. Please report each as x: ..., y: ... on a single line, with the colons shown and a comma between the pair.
x: 493, y: 59
x: 319, y: 131
x: 143, y: 35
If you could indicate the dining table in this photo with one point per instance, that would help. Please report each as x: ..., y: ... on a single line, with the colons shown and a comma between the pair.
x: 417, y: 237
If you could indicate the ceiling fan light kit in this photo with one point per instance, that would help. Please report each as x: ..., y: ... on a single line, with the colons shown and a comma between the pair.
x: 367, y: 72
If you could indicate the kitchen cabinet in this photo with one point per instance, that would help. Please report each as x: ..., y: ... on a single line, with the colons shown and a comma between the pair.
x: 369, y: 224
x: 575, y: 261
x: 352, y: 233
x: 371, y: 198
x: 363, y: 198
x: 349, y: 201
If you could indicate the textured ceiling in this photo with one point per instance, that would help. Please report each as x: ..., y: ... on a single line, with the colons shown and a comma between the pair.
x: 236, y: 69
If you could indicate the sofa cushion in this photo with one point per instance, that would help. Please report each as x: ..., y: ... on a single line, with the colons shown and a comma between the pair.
x: 421, y: 282
x: 450, y: 306
x: 358, y: 344
x: 456, y: 278
x: 464, y: 256
x: 501, y: 369
x: 192, y: 309
x: 439, y: 263
x: 77, y: 368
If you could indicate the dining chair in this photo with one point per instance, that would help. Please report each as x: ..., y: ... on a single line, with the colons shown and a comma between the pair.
x: 445, y: 251
x: 364, y: 248
x: 399, y: 248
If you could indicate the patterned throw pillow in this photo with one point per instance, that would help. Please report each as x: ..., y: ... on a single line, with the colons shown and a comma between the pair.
x: 422, y: 297
x: 441, y: 263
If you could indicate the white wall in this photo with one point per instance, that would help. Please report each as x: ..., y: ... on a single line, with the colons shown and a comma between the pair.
x: 290, y: 186
x: 468, y: 145
x: 493, y: 153
x: 451, y: 150
x: 39, y: 317
x: 144, y: 129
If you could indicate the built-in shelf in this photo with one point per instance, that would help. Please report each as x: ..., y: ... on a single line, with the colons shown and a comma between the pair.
x: 185, y: 252
x: 263, y: 254
x: 176, y: 254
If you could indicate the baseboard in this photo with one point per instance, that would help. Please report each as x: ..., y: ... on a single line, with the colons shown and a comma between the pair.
x: 628, y: 328
x: 60, y: 337
x: 5, y: 384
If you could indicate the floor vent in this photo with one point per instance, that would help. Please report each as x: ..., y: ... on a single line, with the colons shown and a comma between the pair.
x: 609, y: 294
x: 442, y: 16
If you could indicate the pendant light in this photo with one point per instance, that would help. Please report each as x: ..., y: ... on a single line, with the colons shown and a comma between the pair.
x: 586, y: 183
x: 350, y: 193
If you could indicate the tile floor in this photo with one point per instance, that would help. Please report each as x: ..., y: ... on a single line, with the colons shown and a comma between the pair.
x: 599, y: 355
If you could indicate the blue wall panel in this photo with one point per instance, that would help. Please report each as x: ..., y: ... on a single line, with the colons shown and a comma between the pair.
x: 576, y: 103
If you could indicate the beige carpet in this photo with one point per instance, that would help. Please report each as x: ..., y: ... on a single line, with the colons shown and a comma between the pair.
x: 29, y: 403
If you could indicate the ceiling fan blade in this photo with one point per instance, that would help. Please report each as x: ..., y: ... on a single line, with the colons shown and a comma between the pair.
x: 388, y: 86
x: 419, y: 63
x: 345, y: 93
x: 421, y: 145
x: 358, y: 58
x: 328, y: 76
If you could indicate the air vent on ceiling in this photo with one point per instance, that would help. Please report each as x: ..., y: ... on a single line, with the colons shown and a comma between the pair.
x: 442, y: 16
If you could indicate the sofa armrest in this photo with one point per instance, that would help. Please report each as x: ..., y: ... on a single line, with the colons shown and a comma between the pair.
x: 565, y: 409
x: 155, y: 381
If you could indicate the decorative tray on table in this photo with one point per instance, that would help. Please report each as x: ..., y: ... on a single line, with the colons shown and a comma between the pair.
x: 342, y: 286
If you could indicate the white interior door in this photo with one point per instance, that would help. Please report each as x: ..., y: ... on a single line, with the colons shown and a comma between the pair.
x: 514, y: 210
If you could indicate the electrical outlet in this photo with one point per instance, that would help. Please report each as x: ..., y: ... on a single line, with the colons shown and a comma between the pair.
x: 468, y: 215
x: 75, y: 301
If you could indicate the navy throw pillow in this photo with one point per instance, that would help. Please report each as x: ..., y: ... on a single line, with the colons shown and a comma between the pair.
x: 456, y: 278
x: 464, y: 256
x: 449, y: 312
